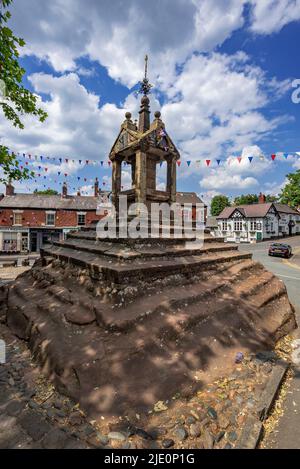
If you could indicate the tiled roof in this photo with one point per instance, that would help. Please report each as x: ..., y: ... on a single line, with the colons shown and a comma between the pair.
x: 188, y: 198
x: 50, y: 202
x: 249, y: 211
x: 283, y: 208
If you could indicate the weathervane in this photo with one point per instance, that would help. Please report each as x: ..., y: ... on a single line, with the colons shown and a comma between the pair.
x: 145, y: 86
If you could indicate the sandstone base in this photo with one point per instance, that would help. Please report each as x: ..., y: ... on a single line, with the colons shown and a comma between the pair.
x: 121, y: 326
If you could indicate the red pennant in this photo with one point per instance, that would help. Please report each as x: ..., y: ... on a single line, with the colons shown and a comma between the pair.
x: 178, y: 162
x: 46, y: 169
x: 87, y: 161
x: 207, y: 162
x: 66, y: 174
x: 239, y: 158
x: 109, y: 163
x: 273, y: 157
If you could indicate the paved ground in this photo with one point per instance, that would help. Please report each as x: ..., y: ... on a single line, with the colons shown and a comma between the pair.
x: 8, y: 274
x: 287, y: 434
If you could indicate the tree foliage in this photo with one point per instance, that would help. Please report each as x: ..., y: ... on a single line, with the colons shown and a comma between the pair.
x: 290, y: 194
x: 46, y: 192
x: 246, y: 199
x: 218, y: 203
x: 15, y: 99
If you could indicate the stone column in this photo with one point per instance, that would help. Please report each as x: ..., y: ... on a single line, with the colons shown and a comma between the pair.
x: 116, y: 181
x: 141, y: 177
x: 1, y: 241
x: 171, y: 179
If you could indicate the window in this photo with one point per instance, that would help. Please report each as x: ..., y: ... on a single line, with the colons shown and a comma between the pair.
x: 18, y: 216
x: 50, y: 218
x: 238, y: 226
x: 255, y: 226
x: 80, y: 219
x: 224, y: 226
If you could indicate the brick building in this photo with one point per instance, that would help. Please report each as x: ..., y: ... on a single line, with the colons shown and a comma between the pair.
x: 28, y: 220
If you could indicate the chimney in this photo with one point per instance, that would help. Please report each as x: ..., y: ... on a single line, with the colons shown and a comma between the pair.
x: 261, y: 198
x: 78, y: 193
x: 96, y: 187
x: 64, y: 189
x: 10, y: 190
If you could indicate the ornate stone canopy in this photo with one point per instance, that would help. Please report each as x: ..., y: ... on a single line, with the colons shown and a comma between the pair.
x: 143, y: 147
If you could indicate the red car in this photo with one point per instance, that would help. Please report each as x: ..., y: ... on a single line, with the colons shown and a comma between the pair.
x: 280, y: 249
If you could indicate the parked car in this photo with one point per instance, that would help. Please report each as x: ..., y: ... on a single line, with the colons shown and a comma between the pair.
x: 280, y: 249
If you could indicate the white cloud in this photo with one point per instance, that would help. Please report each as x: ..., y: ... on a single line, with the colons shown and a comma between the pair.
x: 221, y: 179
x: 76, y: 127
x: 269, y: 16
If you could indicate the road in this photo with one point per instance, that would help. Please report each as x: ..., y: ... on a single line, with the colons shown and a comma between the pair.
x: 287, y: 434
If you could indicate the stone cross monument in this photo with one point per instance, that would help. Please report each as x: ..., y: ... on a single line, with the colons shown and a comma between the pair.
x: 143, y: 147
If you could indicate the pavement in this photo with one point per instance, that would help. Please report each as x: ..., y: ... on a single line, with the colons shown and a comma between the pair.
x: 287, y: 434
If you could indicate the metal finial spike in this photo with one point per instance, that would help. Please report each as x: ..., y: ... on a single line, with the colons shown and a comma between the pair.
x: 145, y: 86
x: 146, y: 65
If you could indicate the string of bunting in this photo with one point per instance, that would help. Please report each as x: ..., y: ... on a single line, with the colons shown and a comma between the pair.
x: 107, y: 163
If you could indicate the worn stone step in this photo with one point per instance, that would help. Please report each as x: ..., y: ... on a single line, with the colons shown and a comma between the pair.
x: 125, y: 252
x: 91, y: 234
x: 120, y: 270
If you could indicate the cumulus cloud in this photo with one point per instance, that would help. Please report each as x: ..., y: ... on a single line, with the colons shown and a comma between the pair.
x: 269, y: 16
x: 76, y: 127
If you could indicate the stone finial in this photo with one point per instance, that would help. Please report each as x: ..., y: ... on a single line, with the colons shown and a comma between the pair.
x: 157, y: 115
x: 128, y: 116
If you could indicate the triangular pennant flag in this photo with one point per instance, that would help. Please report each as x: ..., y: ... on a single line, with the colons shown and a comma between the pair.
x: 239, y: 158
x: 87, y: 161
x: 250, y: 158
x: 218, y: 162
x: 60, y: 160
x: 78, y: 177
x: 273, y: 157
x: 178, y: 163
x: 101, y: 162
x: 109, y: 163
x: 160, y: 164
x: 41, y: 157
x: 80, y: 161
x: 188, y: 163
x: 207, y: 162
x: 285, y: 155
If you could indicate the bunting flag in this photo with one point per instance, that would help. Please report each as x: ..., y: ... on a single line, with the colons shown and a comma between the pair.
x: 239, y: 158
x: 218, y: 162
x: 273, y: 157
x: 286, y: 155
x: 207, y: 162
x: 178, y: 162
x: 250, y: 158
x: 188, y: 163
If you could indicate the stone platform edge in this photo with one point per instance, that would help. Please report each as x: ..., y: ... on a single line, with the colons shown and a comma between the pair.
x: 252, y: 432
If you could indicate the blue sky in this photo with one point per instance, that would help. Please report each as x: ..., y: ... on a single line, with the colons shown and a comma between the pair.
x: 222, y: 74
